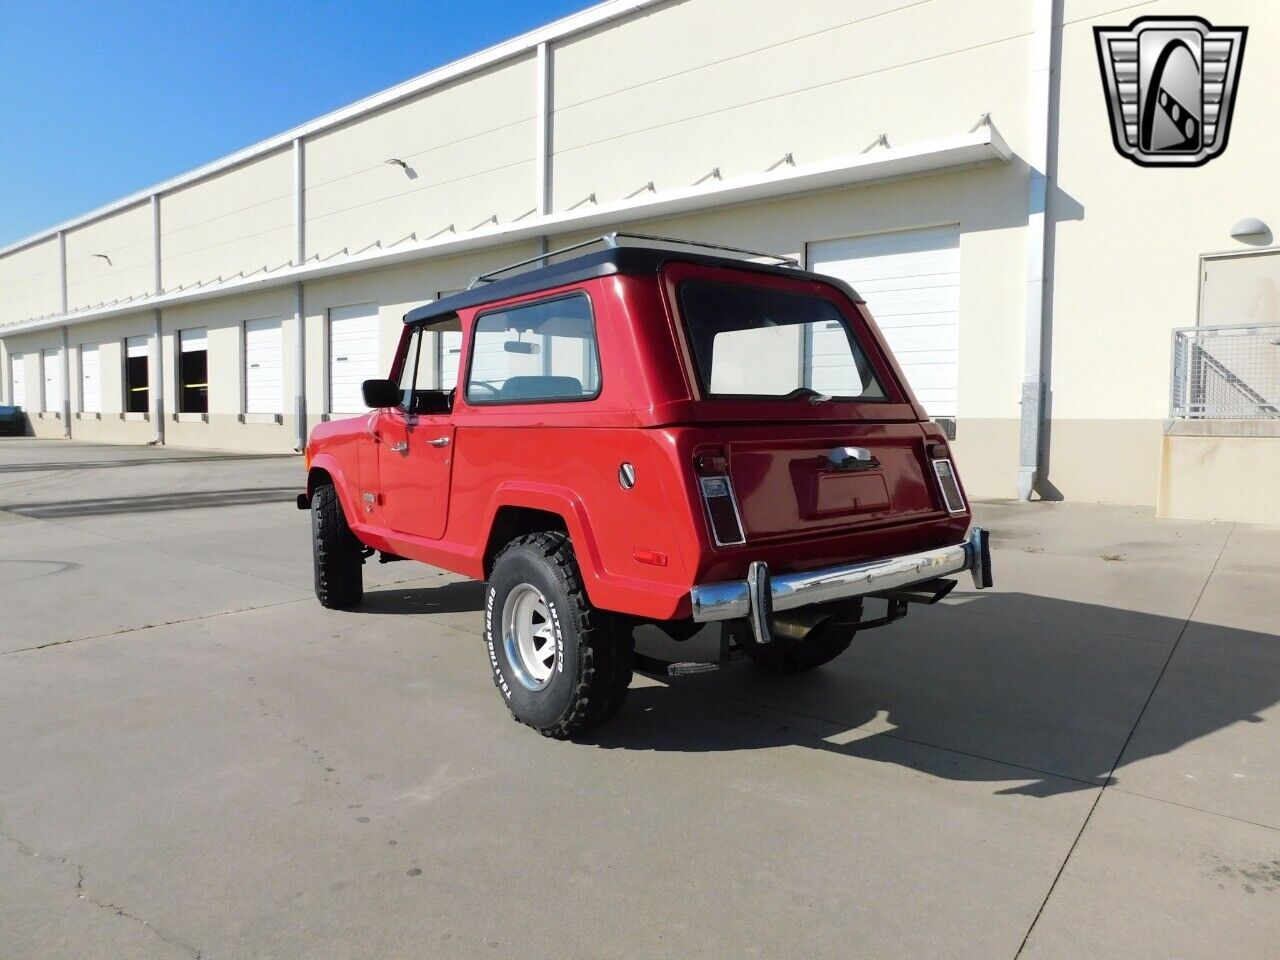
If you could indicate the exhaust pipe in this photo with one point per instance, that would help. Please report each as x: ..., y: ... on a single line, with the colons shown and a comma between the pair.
x: 798, y: 624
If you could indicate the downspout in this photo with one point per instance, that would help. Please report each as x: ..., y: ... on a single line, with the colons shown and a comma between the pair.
x: 66, y: 383
x: 299, y: 316
x: 66, y: 349
x: 1038, y: 267
x: 543, y: 147
x: 156, y: 360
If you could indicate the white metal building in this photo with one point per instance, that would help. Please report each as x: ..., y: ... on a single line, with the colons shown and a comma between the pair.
x: 953, y: 160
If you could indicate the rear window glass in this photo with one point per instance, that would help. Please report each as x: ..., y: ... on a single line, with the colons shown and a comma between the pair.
x: 750, y: 341
x: 534, y: 353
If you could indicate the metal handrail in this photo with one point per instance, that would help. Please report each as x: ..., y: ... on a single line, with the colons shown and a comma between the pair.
x: 1230, y: 371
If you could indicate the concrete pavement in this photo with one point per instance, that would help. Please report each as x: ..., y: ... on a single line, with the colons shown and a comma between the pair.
x: 198, y: 760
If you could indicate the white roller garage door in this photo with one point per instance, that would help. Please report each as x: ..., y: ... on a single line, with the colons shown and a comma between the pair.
x: 450, y: 345
x: 264, y: 366
x: 18, y: 396
x: 90, y: 379
x: 51, y: 370
x: 911, y: 281
x: 353, y: 355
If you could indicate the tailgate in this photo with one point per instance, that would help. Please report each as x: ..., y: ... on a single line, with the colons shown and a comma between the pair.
x: 800, y: 478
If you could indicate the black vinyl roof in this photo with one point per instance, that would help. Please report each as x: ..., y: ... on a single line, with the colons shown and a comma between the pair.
x: 630, y: 261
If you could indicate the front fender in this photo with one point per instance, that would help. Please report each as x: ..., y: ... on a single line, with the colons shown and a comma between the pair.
x: 342, y: 483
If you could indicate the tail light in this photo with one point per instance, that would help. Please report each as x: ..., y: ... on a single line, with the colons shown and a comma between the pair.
x: 945, y: 473
x: 717, y: 496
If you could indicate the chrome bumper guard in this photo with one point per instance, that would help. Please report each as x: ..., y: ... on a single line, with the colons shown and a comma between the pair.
x: 760, y: 595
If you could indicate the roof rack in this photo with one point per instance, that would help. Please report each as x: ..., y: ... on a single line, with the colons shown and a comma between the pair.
x: 610, y: 240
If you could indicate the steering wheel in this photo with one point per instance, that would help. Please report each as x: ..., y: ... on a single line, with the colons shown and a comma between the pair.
x: 495, y: 390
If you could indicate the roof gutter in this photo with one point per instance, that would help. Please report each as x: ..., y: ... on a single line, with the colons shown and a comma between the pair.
x: 983, y: 145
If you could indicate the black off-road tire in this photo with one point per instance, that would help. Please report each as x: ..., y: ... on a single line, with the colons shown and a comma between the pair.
x: 336, y: 552
x: 589, y: 681
x: 784, y: 655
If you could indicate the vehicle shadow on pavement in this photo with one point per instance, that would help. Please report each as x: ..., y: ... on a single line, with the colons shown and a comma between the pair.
x: 1019, y: 688
x: 457, y: 596
x: 154, y: 503
x: 56, y: 466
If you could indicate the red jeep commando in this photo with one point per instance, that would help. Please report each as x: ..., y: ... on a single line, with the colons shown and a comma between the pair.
x: 646, y: 434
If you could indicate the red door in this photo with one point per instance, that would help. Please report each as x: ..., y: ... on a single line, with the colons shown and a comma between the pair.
x: 415, y: 459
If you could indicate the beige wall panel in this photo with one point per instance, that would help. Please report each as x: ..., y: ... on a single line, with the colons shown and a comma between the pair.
x: 1105, y: 460
x: 109, y: 335
x: 30, y: 284
x: 226, y: 432
x: 1220, y: 478
x: 986, y: 454
x: 1127, y: 259
x: 29, y: 346
x: 126, y: 238
x: 111, y: 429
x: 469, y: 147
x: 239, y: 220
x: 395, y: 290
x: 988, y: 202
x: 224, y: 320
x: 815, y: 80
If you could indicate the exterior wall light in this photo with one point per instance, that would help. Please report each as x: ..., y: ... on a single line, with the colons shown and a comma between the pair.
x: 1251, y: 229
x: 105, y: 257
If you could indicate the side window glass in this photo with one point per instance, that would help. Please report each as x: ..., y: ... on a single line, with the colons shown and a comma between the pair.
x: 535, y: 353
x: 409, y: 369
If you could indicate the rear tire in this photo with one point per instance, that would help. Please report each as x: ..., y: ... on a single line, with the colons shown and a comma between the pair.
x: 784, y: 655
x: 336, y: 553
x: 562, y: 666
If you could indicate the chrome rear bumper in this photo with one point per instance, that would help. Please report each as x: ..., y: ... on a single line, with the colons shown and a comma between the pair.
x: 757, y: 597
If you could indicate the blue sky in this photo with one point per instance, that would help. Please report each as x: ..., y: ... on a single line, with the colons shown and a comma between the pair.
x: 99, y: 99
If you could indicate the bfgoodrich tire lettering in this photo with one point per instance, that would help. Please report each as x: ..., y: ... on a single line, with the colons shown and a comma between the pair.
x: 592, y: 669
x: 335, y: 551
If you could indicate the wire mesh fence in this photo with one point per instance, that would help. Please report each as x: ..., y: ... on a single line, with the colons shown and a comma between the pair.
x: 1225, y: 373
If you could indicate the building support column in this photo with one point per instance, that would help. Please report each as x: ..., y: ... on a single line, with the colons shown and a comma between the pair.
x: 299, y: 314
x: 300, y: 370
x: 155, y: 381
x: 1039, y: 265
x: 66, y: 359
x: 155, y: 362
x: 66, y: 382
x: 543, y: 125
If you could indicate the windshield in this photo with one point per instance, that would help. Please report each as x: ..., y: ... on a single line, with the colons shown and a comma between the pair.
x: 751, y: 341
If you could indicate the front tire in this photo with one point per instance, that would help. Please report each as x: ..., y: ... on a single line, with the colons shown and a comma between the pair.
x: 562, y: 666
x: 336, y: 553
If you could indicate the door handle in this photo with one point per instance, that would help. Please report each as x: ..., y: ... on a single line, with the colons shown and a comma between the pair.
x: 400, y: 447
x: 439, y: 442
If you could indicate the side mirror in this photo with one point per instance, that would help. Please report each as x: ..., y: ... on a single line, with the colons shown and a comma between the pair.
x: 381, y: 393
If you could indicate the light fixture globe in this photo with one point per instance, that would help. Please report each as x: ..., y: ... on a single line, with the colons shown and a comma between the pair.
x: 1250, y: 228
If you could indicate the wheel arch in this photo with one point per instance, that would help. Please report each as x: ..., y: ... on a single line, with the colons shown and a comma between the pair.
x: 325, y: 470
x: 511, y: 521
x: 529, y: 503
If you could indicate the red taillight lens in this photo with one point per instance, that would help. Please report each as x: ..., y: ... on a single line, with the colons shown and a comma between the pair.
x: 722, y: 510
x: 949, y: 486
